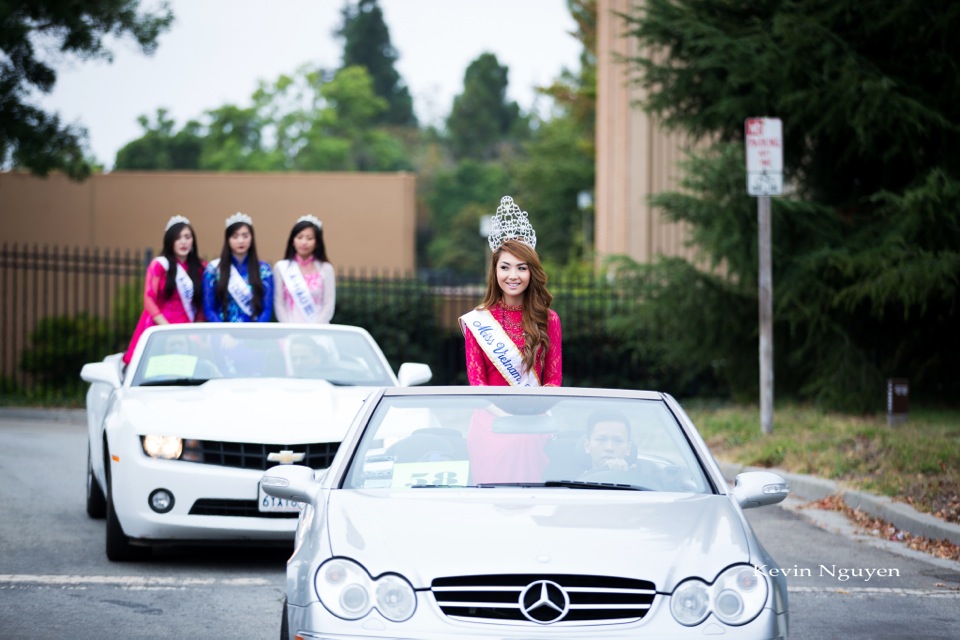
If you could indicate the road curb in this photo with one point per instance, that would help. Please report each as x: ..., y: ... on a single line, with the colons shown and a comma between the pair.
x: 900, y: 515
x: 73, y: 416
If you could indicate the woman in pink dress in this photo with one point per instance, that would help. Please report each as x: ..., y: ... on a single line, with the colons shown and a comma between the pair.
x: 516, y: 307
x: 173, y: 288
x: 305, y: 287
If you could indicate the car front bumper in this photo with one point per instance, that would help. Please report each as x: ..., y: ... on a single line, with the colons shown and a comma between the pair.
x: 428, y: 623
x: 134, y: 476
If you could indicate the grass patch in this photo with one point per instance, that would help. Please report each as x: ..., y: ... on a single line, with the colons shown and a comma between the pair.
x: 917, y: 462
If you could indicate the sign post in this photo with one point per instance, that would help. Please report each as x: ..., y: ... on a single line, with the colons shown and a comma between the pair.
x: 764, y: 140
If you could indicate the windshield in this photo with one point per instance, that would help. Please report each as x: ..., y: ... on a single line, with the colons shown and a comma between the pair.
x: 424, y: 441
x: 195, y: 354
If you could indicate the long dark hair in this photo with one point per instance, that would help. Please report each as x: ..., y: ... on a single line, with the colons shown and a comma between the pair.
x: 253, y: 269
x: 319, y: 250
x: 536, y: 299
x: 194, y: 266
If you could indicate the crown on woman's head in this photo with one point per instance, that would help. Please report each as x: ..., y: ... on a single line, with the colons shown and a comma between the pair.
x: 510, y: 223
x: 239, y: 217
x: 176, y: 220
x: 314, y: 220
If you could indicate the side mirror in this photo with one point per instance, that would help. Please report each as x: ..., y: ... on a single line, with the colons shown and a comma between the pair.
x: 105, y: 372
x: 289, y: 482
x: 414, y: 373
x: 759, y: 489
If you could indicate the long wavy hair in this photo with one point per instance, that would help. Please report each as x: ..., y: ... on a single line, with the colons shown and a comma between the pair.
x: 253, y: 270
x: 319, y: 250
x: 194, y: 266
x: 536, y: 300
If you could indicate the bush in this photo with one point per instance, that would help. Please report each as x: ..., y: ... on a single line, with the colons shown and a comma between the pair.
x: 60, y: 346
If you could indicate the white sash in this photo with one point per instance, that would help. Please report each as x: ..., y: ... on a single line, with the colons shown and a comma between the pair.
x: 299, y: 291
x: 184, y: 286
x: 498, y: 346
x: 239, y: 289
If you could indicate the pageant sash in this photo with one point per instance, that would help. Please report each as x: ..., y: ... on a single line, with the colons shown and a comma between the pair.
x: 498, y: 346
x: 238, y: 288
x: 184, y: 286
x: 299, y: 291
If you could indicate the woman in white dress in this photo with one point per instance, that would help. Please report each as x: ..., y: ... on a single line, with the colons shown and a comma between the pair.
x: 305, y: 283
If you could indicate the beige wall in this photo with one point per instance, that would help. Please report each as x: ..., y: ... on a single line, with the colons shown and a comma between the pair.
x: 635, y: 157
x: 369, y: 219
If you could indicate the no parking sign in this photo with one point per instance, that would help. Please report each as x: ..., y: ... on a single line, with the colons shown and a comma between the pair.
x: 764, y: 138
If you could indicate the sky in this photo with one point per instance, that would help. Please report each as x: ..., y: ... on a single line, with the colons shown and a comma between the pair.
x: 218, y: 50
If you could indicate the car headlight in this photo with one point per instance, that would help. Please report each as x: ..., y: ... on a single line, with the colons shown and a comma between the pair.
x: 690, y: 603
x: 165, y: 447
x: 172, y: 448
x: 347, y: 591
x: 736, y: 597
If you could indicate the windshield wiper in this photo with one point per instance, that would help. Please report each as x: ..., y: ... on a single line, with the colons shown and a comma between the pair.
x: 437, y: 486
x: 580, y: 484
x: 175, y: 382
x: 525, y: 485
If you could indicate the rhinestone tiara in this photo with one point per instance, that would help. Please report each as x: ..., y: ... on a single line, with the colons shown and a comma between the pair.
x: 176, y: 220
x: 314, y: 220
x: 240, y: 217
x: 510, y: 223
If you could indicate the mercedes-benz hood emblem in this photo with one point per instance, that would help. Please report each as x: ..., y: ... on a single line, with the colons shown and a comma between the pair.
x: 544, y: 602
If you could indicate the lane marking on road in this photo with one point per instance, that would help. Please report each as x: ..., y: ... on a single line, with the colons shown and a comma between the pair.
x: 143, y: 582
x: 877, y: 591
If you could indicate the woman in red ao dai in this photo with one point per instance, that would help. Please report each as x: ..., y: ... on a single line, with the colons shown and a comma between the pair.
x: 518, y: 301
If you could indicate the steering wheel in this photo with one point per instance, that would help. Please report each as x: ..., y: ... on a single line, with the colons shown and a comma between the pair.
x: 436, y: 456
x: 631, y: 477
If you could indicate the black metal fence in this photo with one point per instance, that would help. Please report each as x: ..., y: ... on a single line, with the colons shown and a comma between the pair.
x: 63, y: 308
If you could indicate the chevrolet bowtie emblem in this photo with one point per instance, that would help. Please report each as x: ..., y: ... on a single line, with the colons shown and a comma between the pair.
x: 286, y: 456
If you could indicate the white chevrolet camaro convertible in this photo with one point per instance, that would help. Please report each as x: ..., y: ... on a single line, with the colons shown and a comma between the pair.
x: 494, y: 512
x: 177, y: 443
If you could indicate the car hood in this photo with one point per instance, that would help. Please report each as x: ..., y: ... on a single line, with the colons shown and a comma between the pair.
x: 428, y: 533
x: 271, y: 410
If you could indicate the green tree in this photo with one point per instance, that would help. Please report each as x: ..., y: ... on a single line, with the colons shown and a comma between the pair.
x: 161, y: 148
x: 29, y: 136
x: 460, y: 197
x: 482, y: 121
x: 234, y: 141
x: 366, y: 43
x: 866, y: 259
x: 307, y: 121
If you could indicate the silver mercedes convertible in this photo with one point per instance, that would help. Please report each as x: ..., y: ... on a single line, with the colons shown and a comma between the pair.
x: 486, y: 512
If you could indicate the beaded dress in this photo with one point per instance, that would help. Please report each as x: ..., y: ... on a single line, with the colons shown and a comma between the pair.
x: 500, y: 457
x: 480, y: 371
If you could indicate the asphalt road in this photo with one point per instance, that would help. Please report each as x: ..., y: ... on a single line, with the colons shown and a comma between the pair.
x: 55, y: 580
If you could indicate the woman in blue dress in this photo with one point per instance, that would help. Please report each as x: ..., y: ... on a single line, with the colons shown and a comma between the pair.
x: 237, y: 286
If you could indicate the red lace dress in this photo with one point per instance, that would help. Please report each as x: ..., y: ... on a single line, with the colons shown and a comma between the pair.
x: 480, y: 371
x: 508, y: 457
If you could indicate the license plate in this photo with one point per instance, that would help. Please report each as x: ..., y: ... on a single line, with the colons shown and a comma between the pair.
x: 268, y: 504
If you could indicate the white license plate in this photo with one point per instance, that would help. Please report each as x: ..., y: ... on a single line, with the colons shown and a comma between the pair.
x: 268, y: 504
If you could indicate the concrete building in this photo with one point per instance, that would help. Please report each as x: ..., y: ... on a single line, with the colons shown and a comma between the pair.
x: 635, y: 156
x: 369, y: 219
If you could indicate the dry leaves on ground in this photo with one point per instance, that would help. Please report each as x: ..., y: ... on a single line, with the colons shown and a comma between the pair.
x: 883, y: 529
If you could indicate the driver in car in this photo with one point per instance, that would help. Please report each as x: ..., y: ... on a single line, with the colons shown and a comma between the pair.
x: 308, y: 359
x: 608, y: 442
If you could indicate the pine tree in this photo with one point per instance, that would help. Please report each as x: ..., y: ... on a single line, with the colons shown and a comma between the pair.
x: 482, y: 119
x: 867, y: 246
x: 366, y: 43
